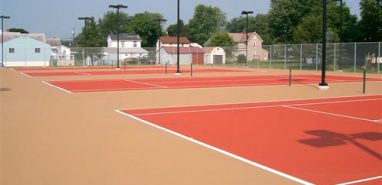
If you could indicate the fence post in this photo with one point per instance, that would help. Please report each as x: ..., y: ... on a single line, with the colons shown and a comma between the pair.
x: 355, y: 56
x: 285, y: 55
x: 316, y: 57
x: 300, y: 57
x: 270, y: 57
x: 379, y: 55
x: 334, y: 58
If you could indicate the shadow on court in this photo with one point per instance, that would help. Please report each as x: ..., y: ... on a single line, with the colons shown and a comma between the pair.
x: 325, y: 138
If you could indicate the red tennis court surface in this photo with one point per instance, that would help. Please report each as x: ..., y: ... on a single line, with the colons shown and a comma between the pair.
x: 196, y: 82
x: 84, y: 68
x: 320, y: 141
x: 125, y: 72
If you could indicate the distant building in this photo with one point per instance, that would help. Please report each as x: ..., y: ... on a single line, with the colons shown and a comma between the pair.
x: 129, y: 48
x: 255, y: 46
x: 61, y: 55
x: 25, y: 50
x: 214, y: 55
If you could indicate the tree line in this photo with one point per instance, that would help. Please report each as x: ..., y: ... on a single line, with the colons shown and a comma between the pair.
x: 288, y: 21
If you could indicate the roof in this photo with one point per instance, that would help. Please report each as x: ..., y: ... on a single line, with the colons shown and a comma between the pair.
x: 209, y: 49
x: 173, y: 40
x: 240, y: 37
x: 53, y: 41
x: 124, y: 50
x: 125, y: 36
x: 12, y: 35
x: 184, y: 50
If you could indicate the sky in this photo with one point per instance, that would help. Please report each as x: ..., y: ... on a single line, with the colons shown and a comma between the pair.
x: 57, y: 18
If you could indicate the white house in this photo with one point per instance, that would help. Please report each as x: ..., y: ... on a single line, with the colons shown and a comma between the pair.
x: 214, y: 55
x: 61, y: 55
x: 129, y: 47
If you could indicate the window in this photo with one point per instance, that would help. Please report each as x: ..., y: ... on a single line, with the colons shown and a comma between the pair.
x: 11, y: 50
x: 37, y: 50
x: 135, y: 44
x: 123, y: 44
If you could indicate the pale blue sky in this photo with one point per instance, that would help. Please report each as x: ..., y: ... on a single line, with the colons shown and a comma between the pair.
x: 57, y: 18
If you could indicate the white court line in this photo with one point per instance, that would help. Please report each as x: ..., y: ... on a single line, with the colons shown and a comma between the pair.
x: 328, y: 113
x: 83, y: 73
x: 254, y: 107
x: 26, y: 75
x: 239, y: 103
x: 378, y: 120
x: 219, y: 150
x: 362, y: 180
x: 144, y: 83
x: 62, y: 89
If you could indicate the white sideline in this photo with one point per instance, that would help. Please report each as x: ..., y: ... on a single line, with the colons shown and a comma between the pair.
x: 362, y: 180
x: 219, y: 150
x: 62, y: 89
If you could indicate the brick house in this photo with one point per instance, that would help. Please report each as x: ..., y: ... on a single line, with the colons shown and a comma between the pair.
x: 255, y: 43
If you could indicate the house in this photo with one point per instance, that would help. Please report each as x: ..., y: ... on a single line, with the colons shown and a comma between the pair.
x: 187, y: 55
x: 129, y: 47
x: 255, y: 43
x: 166, y: 51
x: 61, y: 55
x: 25, y: 50
x: 214, y: 55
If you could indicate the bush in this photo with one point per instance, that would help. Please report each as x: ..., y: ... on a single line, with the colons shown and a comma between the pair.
x: 241, y: 59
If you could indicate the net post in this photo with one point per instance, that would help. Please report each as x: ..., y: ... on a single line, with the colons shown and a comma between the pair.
x: 166, y: 67
x: 124, y: 66
x: 191, y: 69
x: 364, y: 81
x: 290, y: 76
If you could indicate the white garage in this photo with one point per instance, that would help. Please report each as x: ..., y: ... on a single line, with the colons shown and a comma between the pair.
x: 214, y: 55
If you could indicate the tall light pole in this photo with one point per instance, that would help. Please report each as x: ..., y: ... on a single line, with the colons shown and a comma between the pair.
x: 2, y: 17
x: 323, y: 84
x: 246, y: 34
x: 119, y: 6
x: 341, y: 23
x: 177, y: 39
x: 85, y: 19
x: 160, y: 33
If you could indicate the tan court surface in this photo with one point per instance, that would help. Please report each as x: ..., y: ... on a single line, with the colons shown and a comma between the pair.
x: 49, y: 137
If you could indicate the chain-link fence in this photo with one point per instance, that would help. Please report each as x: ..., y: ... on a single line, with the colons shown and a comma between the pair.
x: 348, y: 57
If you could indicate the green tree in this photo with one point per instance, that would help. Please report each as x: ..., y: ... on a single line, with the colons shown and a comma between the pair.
x: 206, y: 20
x: 371, y: 21
x: 286, y: 15
x: 219, y: 39
x: 92, y: 35
x: 20, y: 30
x: 145, y: 25
x: 109, y: 23
x: 171, y: 30
x: 309, y: 30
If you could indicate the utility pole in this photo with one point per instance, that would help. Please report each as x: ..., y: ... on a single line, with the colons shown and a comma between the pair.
x: 2, y: 17
x: 246, y: 34
x: 118, y: 28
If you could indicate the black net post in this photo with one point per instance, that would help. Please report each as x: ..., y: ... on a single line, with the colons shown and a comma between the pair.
x: 364, y: 81
x: 290, y: 76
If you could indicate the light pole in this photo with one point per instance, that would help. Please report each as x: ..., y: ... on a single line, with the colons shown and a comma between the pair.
x: 2, y: 38
x: 323, y: 84
x: 177, y: 39
x: 119, y: 6
x: 246, y: 34
x: 160, y: 33
x: 85, y: 19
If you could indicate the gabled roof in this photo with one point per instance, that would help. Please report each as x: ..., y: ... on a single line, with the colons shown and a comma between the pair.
x: 184, y: 50
x: 240, y: 37
x: 173, y: 40
x: 209, y: 49
x: 53, y: 41
x: 12, y: 35
x: 125, y: 36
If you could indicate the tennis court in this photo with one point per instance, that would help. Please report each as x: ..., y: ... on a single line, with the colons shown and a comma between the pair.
x: 196, y: 82
x: 126, y: 72
x: 313, y: 141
